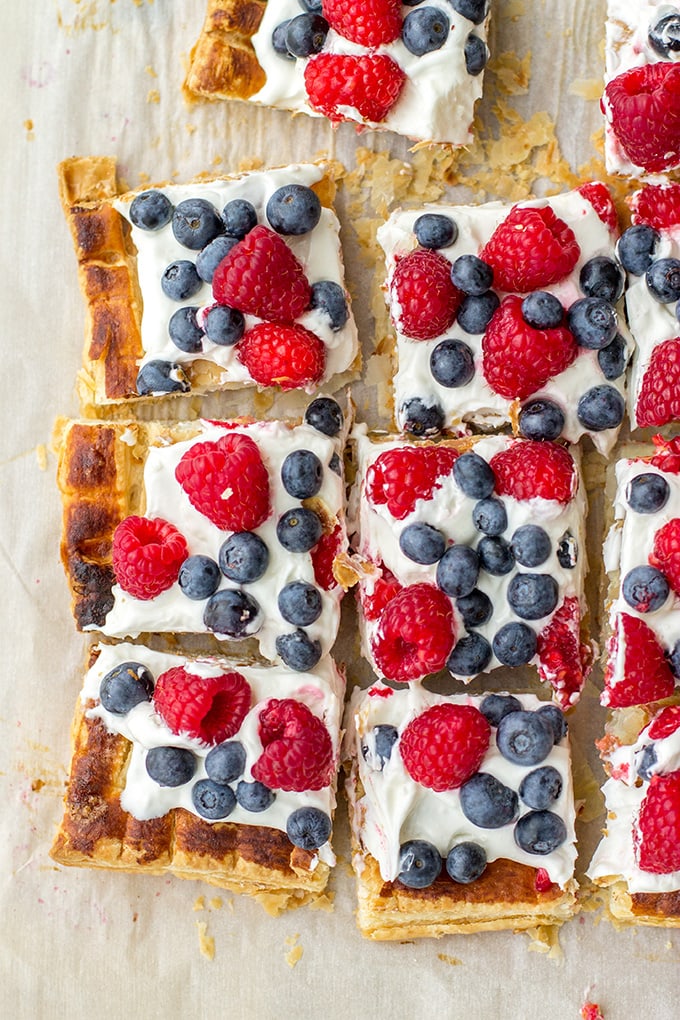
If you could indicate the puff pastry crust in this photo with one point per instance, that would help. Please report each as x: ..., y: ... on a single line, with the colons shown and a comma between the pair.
x: 223, y: 64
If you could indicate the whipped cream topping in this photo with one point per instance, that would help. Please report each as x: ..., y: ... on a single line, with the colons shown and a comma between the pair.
x: 437, y: 100
x: 393, y: 808
x: 476, y: 401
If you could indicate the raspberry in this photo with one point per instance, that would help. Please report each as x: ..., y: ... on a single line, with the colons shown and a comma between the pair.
x: 424, y: 300
x: 563, y: 660
x: 659, y: 399
x: 209, y: 709
x: 385, y: 587
x: 323, y: 554
x: 658, y: 835
x: 530, y: 468
x: 644, y: 112
x: 147, y: 555
x: 368, y: 24
x: 666, y: 552
x: 400, y: 477
x: 530, y: 249
x: 261, y: 276
x: 666, y: 722
x: 517, y: 359
x: 444, y: 746
x: 667, y: 456
x: 227, y: 482
x: 291, y: 357
x: 369, y: 83
x: 601, y: 200
x: 657, y: 205
x: 297, y: 752
x: 415, y: 633
x: 646, y: 673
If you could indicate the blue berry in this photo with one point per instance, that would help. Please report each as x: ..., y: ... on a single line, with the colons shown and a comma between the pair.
x: 476, y: 54
x: 542, y: 310
x: 293, y: 209
x: 335, y: 465
x: 636, y: 247
x: 212, y: 800
x: 233, y: 614
x: 475, y: 608
x: 298, y: 651
x: 540, y: 832
x: 420, y: 864
x: 279, y: 44
x: 325, y: 415
x: 180, y: 280
x: 306, y: 35
x: 209, y: 258
x: 170, y: 766
x: 452, y: 363
x: 663, y: 280
x: 533, y: 596
x: 458, y: 570
x: 490, y: 516
x: 254, y: 796
x: 567, y: 551
x: 243, y: 557
x: 224, y: 325
x: 239, y: 218
x: 226, y: 762
x: 124, y: 686
x: 541, y: 788
x: 313, y: 6
x: 474, y: 476
x: 531, y: 545
x: 380, y: 741
x: 487, y: 802
x: 646, y: 762
x: 472, y: 275
x: 554, y: 716
x: 466, y: 862
x: 612, y: 358
x: 474, y: 10
x: 495, y: 555
x: 161, y: 377
x: 184, y: 330
x: 601, y: 277
x: 422, y: 543
x: 593, y: 322
x: 648, y: 493
x: 664, y: 33
x: 645, y: 589
x: 601, y: 407
x: 674, y: 659
x: 475, y: 313
x: 525, y: 738
x: 495, y: 706
x: 329, y: 297
x: 433, y: 230
x: 308, y: 828
x: 470, y: 655
x: 541, y: 419
x: 195, y: 223
x: 420, y: 419
x: 302, y: 474
x: 151, y: 210
x: 199, y: 577
x: 298, y: 530
x: 424, y: 30
x: 300, y: 603
x: 514, y: 644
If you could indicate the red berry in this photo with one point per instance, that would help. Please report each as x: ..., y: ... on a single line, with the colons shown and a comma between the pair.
x: 369, y: 83
x: 385, y: 587
x: 529, y: 468
x: 563, y: 659
x: 369, y: 23
x: 261, y: 276
x: 657, y: 205
x: 644, y: 111
x: 297, y: 752
x: 291, y: 357
x: 147, y: 555
x: 659, y: 400
x: 658, y: 839
x: 666, y: 552
x: 323, y: 556
x: 444, y: 746
x: 517, y: 359
x: 209, y: 709
x: 646, y: 673
x: 424, y: 300
x: 542, y: 881
x: 530, y: 249
x: 599, y: 196
x: 665, y: 723
x: 227, y: 482
x: 400, y: 477
x: 667, y: 456
x: 415, y: 634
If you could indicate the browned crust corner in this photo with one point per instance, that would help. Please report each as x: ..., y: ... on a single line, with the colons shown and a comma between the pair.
x: 223, y: 64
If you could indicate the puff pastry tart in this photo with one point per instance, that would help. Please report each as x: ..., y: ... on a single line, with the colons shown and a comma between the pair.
x: 205, y: 768
x: 380, y: 65
x: 471, y: 556
x: 461, y: 812
x: 216, y: 284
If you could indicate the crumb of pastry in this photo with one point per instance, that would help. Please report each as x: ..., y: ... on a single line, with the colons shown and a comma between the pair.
x: 512, y: 73
x: 586, y: 88
x: 199, y: 903
x: 150, y: 71
x: 453, y: 961
x: 206, y: 943
x: 295, y: 951
x: 216, y: 903
x: 153, y: 96
x: 544, y: 938
x: 41, y: 455
x: 324, y: 902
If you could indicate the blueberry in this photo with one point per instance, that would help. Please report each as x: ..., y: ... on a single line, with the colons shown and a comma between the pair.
x: 209, y: 258
x: 646, y: 762
x: 170, y: 766
x: 452, y: 363
x: 664, y: 33
x: 490, y: 516
x: 302, y: 474
x: 199, y: 577
x: 300, y: 603
x: 525, y: 738
x: 305, y: 35
x: 533, y: 596
x: 293, y: 209
x: 180, y: 280
x: 422, y: 543
x: 420, y: 864
x: 601, y: 407
x: 279, y: 44
x: 531, y: 545
x: 243, y: 557
x: 601, y: 277
x: 542, y: 310
x: 308, y: 828
x: 324, y: 415
x: 647, y: 493
x: 335, y: 465
x: 472, y: 275
x: 162, y: 377
x: 424, y: 30
x: 474, y: 476
x: 421, y: 419
x: 474, y: 10
x: 475, y: 313
x: 612, y: 358
x: 540, y: 832
x: 476, y: 55
x: 125, y: 686
x: 674, y: 659
x: 470, y: 655
x: 495, y: 706
x: 224, y: 325
x: 379, y: 744
x: 475, y: 608
x: 226, y: 762
x: 541, y: 788
x: 239, y: 217
x: 487, y: 802
x: 495, y: 555
x: 329, y: 297
x: 663, y: 280
x: 593, y: 322
x: 233, y: 614
x: 212, y: 800
x: 458, y: 570
x: 514, y: 644
x: 298, y: 530
x: 567, y: 551
x: 184, y: 330
x: 313, y: 6
x: 254, y: 796
x: 433, y: 230
x: 636, y: 247
x: 541, y: 419
x: 466, y: 862
x: 196, y: 223
x: 645, y: 589
x: 298, y: 651
x: 554, y: 716
x: 151, y: 210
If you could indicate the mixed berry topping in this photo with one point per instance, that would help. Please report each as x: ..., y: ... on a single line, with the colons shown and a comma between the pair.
x: 643, y: 110
x: 147, y: 556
